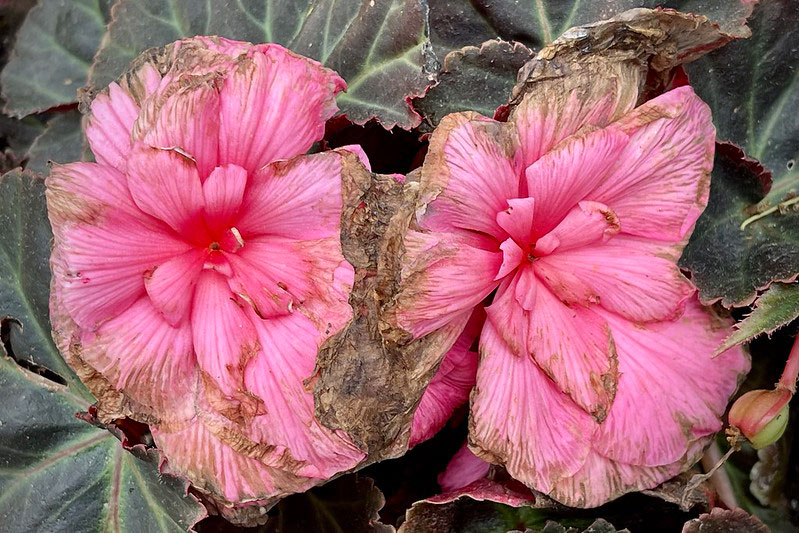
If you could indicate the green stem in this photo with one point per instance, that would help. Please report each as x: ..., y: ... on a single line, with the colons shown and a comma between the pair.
x: 769, y: 211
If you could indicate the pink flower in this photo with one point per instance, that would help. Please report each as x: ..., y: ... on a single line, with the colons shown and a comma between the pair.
x: 596, y: 374
x: 197, y: 265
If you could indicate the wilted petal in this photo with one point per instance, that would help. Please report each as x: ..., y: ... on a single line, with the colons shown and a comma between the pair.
x: 171, y: 285
x: 223, y: 192
x: 636, y: 278
x: 570, y: 173
x: 671, y: 390
x: 463, y: 469
x: 450, y: 386
x: 659, y: 185
x: 109, y: 126
x: 469, y: 174
x: 524, y: 422
x: 274, y: 106
x: 298, y: 199
x: 443, y: 278
x: 587, y: 223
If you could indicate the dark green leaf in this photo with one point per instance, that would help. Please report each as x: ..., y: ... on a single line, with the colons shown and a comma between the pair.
x: 474, y: 78
x: 61, y: 142
x: 378, y: 47
x: 775, y: 308
x: 51, y: 58
x: 58, y: 473
x: 729, y: 263
x: 25, y: 274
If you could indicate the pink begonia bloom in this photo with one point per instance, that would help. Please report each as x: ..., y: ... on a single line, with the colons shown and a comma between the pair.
x: 198, y: 266
x: 596, y: 374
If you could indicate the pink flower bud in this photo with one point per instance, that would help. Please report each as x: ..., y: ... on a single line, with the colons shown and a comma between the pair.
x: 761, y: 415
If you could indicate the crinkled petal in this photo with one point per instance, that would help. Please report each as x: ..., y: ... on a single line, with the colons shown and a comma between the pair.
x: 289, y: 345
x: 660, y: 183
x: 524, y: 421
x: 109, y: 127
x: 146, y: 358
x: 517, y: 219
x: 468, y: 175
x: 298, y: 199
x: 171, y: 285
x: 671, y: 390
x: 570, y: 173
x: 636, y: 278
x: 587, y: 223
x: 463, y: 469
x: 442, y: 277
x: 274, y: 106
x: 223, y: 192
x: 165, y: 184
x: 107, y: 245
x: 574, y: 346
x: 449, y: 388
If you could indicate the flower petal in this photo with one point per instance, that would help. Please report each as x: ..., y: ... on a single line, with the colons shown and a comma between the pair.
x: 525, y: 422
x: 633, y: 277
x: 107, y: 245
x: 109, y: 127
x: 671, y: 390
x: 165, y: 184
x: 587, y: 223
x: 660, y: 183
x: 512, y: 257
x: 468, y: 175
x: 569, y: 173
x: 171, y: 285
x: 463, y: 469
x: 517, y: 219
x: 299, y: 199
x: 274, y: 106
x: 450, y: 386
x: 223, y: 192
x: 442, y: 277
x: 510, y: 319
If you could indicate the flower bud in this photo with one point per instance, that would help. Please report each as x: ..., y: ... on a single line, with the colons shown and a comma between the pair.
x: 761, y: 415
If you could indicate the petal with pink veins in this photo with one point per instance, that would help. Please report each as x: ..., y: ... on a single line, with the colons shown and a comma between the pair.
x: 636, y: 278
x: 587, y: 223
x: 463, y: 469
x: 107, y: 245
x: 450, y: 386
x: 660, y: 183
x: 512, y: 257
x: 109, y: 127
x: 298, y: 199
x: 171, y: 285
x: 223, y: 192
x: 517, y: 219
x: 443, y: 277
x: 468, y: 175
x: 165, y: 184
x: 274, y: 106
x: 671, y: 390
x: 510, y: 319
x: 569, y: 173
x: 526, y: 424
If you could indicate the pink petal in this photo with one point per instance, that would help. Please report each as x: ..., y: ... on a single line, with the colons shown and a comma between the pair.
x: 587, y: 223
x: 106, y: 244
x: 277, y: 375
x: 300, y: 199
x: 108, y: 128
x: 171, y: 285
x: 544, y: 120
x: 223, y: 192
x: 468, y: 175
x: 463, y: 469
x: 633, y: 277
x: 659, y: 185
x: 188, y: 121
x: 512, y: 257
x: 274, y: 106
x: 146, y: 358
x: 510, y: 320
x: 224, y: 340
x: 449, y: 388
x: 671, y: 390
x: 166, y: 185
x: 517, y: 219
x: 570, y: 173
x: 573, y: 345
x: 523, y: 421
x: 445, y: 277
